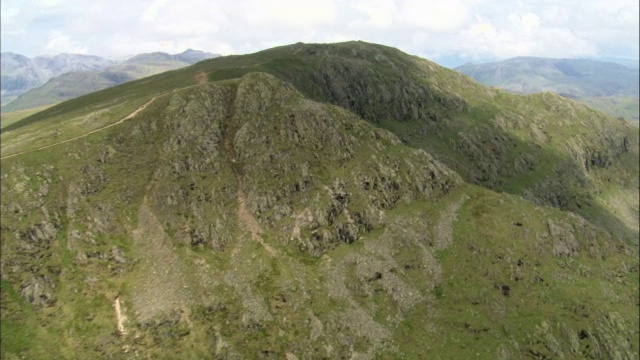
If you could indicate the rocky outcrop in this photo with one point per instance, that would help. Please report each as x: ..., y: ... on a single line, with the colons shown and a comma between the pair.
x: 39, y: 291
x: 37, y: 237
x: 217, y: 132
x: 283, y: 167
x: 564, y: 241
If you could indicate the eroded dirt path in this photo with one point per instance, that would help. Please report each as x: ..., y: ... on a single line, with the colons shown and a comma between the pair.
x: 248, y: 219
x: 121, y: 318
x: 134, y: 113
x: 201, y: 78
x: 244, y: 215
x: 444, y: 228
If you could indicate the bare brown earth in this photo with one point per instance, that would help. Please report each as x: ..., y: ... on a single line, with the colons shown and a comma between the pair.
x: 245, y: 217
x: 201, y: 78
x: 248, y: 220
x: 121, y: 318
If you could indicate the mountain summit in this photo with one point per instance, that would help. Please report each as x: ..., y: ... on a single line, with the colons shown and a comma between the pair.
x: 319, y: 201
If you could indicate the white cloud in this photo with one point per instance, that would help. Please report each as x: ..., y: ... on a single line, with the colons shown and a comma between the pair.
x: 8, y: 14
x: 61, y: 43
x: 628, y: 15
x: 466, y: 28
x: 218, y: 47
x: 483, y: 28
x: 526, y: 23
x: 436, y: 16
x: 556, y: 14
x: 290, y: 13
x: 523, y: 35
x: 378, y: 13
x: 150, y: 13
x: 174, y: 18
x: 49, y: 3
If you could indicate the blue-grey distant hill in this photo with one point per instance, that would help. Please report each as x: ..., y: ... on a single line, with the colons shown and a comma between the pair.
x: 29, y: 83
x: 607, y: 86
x: 21, y: 73
x: 571, y: 77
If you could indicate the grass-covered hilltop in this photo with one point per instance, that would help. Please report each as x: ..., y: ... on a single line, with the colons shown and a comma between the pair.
x: 339, y: 201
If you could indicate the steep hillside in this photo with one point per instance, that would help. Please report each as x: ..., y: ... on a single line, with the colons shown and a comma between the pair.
x: 589, y: 81
x: 267, y: 213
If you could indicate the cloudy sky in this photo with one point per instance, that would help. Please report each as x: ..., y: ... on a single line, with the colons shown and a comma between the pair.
x: 446, y: 31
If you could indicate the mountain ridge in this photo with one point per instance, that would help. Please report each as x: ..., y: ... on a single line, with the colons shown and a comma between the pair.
x: 376, y: 83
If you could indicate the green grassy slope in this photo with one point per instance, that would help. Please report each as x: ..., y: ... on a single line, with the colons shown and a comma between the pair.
x: 505, y: 279
x: 9, y: 118
x: 246, y: 219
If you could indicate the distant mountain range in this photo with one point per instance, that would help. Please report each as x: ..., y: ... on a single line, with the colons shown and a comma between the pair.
x: 606, y: 86
x: 29, y: 83
x: 20, y: 73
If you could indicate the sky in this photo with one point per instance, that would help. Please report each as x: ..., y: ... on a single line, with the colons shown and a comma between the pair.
x: 450, y: 32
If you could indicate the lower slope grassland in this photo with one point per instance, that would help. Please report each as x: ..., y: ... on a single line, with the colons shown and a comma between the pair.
x: 529, y: 282
x: 11, y: 117
x: 625, y: 107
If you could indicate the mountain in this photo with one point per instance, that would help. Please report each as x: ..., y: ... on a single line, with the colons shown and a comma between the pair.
x: 628, y: 62
x: 72, y: 77
x: 607, y: 86
x: 20, y: 73
x: 193, y: 56
x: 319, y: 201
x: 571, y: 77
x: 64, y: 63
x: 189, y: 56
